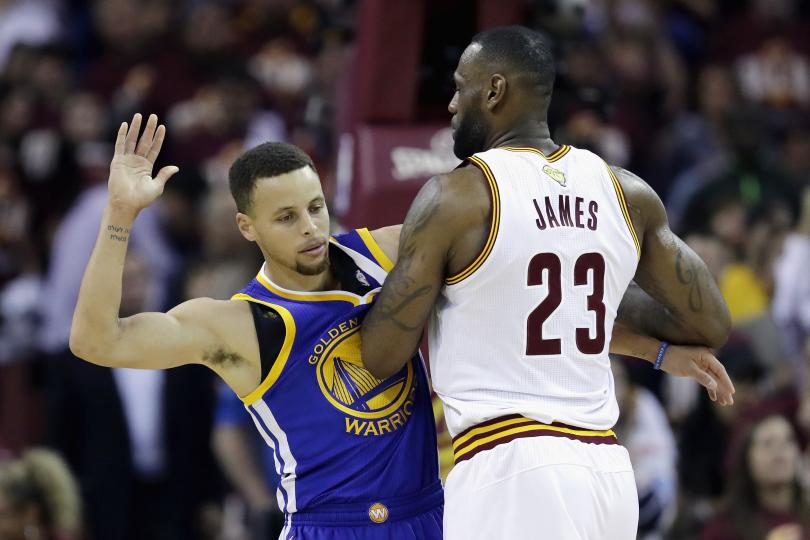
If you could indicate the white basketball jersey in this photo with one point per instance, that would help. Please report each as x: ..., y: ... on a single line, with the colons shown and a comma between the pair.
x: 525, y: 329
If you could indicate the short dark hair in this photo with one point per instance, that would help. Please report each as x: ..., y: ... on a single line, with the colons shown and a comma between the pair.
x: 264, y: 161
x: 528, y: 52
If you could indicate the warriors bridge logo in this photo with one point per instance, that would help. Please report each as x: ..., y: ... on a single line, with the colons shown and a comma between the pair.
x: 371, y: 406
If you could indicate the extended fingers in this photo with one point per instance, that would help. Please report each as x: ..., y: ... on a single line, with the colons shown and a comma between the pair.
x: 120, y: 139
x: 157, y: 143
x: 145, y: 141
x: 132, y: 135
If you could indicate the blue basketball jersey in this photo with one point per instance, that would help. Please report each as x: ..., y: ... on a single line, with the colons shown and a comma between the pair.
x: 340, y: 435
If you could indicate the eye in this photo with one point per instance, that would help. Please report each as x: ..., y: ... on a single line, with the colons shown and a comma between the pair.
x: 286, y: 218
x: 316, y: 208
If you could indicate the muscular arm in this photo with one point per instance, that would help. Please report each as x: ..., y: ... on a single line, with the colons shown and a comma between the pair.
x: 691, y: 309
x: 145, y: 340
x: 393, y: 328
x: 196, y: 331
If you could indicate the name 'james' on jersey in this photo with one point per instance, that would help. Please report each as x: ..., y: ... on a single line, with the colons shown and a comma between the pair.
x: 541, y: 298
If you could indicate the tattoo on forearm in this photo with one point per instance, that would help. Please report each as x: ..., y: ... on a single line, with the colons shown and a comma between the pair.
x: 119, y: 234
x: 688, y: 275
x: 402, y: 291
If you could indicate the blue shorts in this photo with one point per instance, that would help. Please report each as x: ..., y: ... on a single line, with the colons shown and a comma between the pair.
x: 418, y: 517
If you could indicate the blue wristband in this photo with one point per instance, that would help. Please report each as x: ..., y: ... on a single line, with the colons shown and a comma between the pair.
x: 661, y: 352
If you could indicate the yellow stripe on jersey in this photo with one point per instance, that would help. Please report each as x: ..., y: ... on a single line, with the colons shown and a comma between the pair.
x: 375, y: 249
x: 308, y: 297
x: 551, y: 158
x: 283, y: 355
x: 493, y: 226
x: 625, y: 210
x: 533, y: 427
x: 486, y: 429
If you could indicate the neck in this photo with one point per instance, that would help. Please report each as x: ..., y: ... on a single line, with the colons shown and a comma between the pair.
x: 529, y: 132
x: 777, y: 498
x: 296, y: 281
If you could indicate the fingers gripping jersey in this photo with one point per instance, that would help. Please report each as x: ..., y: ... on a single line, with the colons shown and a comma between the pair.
x: 525, y: 330
x: 339, y: 434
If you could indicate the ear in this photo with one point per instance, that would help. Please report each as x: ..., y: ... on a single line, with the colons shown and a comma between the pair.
x: 245, y: 225
x: 496, y: 91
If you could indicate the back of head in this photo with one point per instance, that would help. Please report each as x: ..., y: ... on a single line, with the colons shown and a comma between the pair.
x: 264, y: 161
x: 42, y: 479
x: 524, y: 53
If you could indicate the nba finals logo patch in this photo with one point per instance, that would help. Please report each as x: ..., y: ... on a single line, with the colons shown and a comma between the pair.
x: 555, y: 174
x: 378, y: 513
x: 371, y: 406
x: 361, y: 277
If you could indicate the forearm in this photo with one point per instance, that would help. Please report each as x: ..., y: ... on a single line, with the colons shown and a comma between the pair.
x: 627, y: 342
x: 95, y: 320
x: 642, y: 313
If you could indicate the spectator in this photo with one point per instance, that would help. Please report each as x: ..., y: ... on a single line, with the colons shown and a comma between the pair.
x: 764, y: 499
x: 39, y: 499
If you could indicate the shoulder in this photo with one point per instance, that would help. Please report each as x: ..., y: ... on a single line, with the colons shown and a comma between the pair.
x: 644, y: 203
x: 459, y: 190
x: 388, y: 240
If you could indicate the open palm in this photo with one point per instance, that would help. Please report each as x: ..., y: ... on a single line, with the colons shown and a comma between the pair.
x: 131, y: 184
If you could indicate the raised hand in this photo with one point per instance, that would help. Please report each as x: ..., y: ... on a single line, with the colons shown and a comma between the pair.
x: 700, y: 364
x: 131, y: 186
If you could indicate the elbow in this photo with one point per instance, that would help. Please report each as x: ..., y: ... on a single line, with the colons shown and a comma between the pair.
x: 86, y: 348
x: 717, y: 330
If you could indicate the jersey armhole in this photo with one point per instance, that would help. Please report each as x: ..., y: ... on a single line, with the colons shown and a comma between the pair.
x: 275, y: 332
x: 493, y: 226
x: 624, y: 209
x: 270, y: 332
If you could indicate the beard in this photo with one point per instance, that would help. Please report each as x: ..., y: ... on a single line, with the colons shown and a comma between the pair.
x: 470, y: 135
x: 315, y: 268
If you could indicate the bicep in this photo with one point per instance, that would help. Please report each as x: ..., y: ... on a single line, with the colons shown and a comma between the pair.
x: 164, y: 340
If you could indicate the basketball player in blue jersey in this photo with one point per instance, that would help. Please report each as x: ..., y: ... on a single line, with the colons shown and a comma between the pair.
x: 356, y: 454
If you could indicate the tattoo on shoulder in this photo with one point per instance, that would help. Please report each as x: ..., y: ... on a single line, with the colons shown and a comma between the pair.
x: 117, y: 233
x: 689, y: 275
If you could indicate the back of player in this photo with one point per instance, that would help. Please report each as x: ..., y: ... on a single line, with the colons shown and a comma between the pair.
x: 530, y: 402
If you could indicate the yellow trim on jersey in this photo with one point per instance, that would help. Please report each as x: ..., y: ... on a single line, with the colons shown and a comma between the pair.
x: 375, y: 249
x: 551, y: 158
x: 625, y: 211
x: 308, y: 297
x: 532, y: 427
x: 283, y: 355
x: 486, y: 429
x: 493, y: 226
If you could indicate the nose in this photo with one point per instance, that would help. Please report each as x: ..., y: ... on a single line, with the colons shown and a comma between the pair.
x: 452, y: 107
x: 308, y: 225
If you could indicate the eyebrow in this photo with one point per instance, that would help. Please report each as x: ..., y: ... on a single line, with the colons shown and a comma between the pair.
x: 285, y: 208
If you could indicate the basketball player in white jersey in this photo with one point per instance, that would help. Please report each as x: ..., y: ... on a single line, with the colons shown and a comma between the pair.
x: 521, y: 258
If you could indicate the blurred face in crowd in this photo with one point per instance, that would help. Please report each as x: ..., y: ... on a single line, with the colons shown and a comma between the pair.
x: 289, y: 221
x: 469, y: 123
x: 774, y: 453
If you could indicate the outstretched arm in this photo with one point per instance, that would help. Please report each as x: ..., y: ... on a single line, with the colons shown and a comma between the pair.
x: 692, y: 310
x: 145, y: 340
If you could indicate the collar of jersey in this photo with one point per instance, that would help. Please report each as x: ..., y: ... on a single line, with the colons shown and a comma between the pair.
x: 315, y: 296
x: 551, y: 158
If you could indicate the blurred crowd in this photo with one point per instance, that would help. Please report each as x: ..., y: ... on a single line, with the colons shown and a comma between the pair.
x: 707, y: 100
